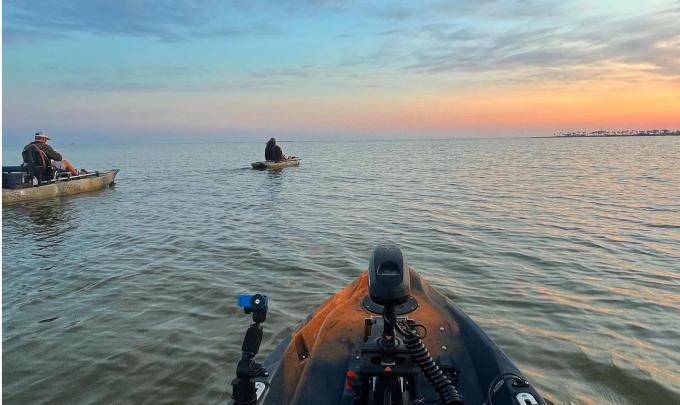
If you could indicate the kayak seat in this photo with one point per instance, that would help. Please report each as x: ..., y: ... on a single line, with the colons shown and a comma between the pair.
x: 38, y: 165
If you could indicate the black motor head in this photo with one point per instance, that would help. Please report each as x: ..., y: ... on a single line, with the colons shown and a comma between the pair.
x: 389, y: 282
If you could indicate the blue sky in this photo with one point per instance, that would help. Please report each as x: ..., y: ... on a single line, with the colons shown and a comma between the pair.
x: 120, y: 71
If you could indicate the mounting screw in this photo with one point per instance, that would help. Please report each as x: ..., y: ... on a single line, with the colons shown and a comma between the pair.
x: 443, y: 347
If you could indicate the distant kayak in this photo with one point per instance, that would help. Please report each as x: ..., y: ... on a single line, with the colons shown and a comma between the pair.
x: 275, y: 165
x: 18, y: 191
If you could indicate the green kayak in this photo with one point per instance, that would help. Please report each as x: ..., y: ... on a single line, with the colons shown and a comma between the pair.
x: 275, y: 165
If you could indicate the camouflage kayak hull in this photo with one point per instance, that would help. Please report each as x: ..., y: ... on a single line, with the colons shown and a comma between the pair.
x: 62, y: 187
x: 275, y: 165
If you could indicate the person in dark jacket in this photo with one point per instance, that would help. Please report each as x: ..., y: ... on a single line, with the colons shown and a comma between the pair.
x: 53, y: 158
x: 273, y: 152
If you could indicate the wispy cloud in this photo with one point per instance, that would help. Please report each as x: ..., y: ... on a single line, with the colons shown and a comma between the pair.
x: 165, y: 20
x: 163, y: 79
x: 204, y: 80
x: 650, y: 41
x: 12, y: 36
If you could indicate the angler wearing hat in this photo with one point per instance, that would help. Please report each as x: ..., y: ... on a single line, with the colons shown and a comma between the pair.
x: 273, y: 152
x: 44, y: 155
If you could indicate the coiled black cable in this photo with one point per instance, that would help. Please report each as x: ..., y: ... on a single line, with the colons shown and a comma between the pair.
x: 448, y: 394
x: 441, y: 384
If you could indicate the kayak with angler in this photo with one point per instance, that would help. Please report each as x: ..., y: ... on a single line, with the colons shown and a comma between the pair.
x: 18, y: 186
x: 389, y: 337
x: 275, y: 165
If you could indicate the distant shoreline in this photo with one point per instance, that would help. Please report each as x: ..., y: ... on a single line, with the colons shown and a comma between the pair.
x: 610, y: 135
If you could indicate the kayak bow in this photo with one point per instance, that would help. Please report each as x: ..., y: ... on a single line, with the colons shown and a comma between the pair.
x: 386, y: 338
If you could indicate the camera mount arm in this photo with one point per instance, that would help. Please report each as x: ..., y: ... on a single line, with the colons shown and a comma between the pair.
x: 247, y: 369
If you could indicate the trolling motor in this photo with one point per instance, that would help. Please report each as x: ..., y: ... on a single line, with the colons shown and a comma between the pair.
x: 244, y: 387
x: 389, y: 285
x: 389, y: 364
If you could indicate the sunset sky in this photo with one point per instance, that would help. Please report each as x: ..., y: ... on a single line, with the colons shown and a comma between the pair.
x: 131, y: 70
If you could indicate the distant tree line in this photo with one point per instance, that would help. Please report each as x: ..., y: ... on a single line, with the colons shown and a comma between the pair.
x: 625, y: 132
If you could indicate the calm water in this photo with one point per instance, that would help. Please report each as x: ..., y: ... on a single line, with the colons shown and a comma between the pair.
x: 566, y: 251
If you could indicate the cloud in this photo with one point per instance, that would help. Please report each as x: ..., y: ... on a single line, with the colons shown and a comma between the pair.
x: 335, y: 76
x: 523, y: 38
x: 165, y: 20
x: 150, y: 86
x: 11, y: 36
x: 162, y: 79
x: 649, y: 41
x: 261, y: 30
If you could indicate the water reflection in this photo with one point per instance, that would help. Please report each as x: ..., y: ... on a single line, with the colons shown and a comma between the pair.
x: 274, y: 181
x: 46, y: 223
x: 274, y: 174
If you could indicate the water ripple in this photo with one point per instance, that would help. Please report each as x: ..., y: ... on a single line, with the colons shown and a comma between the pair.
x: 565, y: 251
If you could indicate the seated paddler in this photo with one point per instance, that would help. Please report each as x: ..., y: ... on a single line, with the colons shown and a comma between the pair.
x: 273, y: 152
x: 42, y: 156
